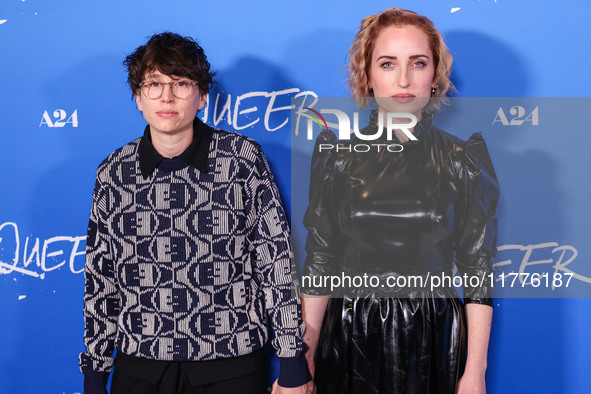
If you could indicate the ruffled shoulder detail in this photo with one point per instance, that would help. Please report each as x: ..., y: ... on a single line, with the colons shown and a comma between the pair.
x: 478, y: 158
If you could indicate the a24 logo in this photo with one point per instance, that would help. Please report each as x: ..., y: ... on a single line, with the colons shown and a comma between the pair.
x: 519, y: 116
x: 59, y: 119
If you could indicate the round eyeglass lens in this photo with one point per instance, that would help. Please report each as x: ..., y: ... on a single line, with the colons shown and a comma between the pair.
x: 182, y: 89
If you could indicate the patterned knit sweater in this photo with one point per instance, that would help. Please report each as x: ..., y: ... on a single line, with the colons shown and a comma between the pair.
x: 187, y: 265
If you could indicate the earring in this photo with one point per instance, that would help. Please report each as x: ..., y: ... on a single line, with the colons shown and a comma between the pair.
x: 433, y: 90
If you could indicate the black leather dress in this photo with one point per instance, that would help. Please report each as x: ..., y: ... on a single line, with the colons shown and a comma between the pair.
x: 414, y: 212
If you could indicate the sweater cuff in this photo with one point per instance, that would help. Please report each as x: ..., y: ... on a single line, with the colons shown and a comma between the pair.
x: 95, y: 382
x: 293, y: 371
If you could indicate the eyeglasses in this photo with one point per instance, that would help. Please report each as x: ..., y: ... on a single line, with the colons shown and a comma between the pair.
x: 180, y: 89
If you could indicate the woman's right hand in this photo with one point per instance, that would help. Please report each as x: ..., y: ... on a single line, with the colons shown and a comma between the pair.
x: 310, y: 352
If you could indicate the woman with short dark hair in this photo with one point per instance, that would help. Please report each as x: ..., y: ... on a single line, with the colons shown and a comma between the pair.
x: 188, y: 252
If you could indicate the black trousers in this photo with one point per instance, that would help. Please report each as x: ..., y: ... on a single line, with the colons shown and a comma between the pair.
x: 245, y: 375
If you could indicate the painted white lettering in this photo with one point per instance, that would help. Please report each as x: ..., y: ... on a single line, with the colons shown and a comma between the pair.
x: 559, y: 256
x: 226, y: 108
x: 75, y: 253
x: 239, y: 100
x: 270, y: 109
x: 300, y: 110
x: 52, y: 255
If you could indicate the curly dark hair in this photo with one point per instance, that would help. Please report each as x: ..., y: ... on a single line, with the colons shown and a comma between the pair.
x: 171, y: 54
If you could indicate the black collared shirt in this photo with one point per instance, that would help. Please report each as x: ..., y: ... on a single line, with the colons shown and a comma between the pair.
x: 195, y: 155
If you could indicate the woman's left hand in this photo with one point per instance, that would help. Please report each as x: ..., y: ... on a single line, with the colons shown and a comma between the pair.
x: 471, y: 383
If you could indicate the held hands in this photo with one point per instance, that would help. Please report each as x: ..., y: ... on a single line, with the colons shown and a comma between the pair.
x: 307, y: 388
x: 310, y: 387
x: 288, y: 390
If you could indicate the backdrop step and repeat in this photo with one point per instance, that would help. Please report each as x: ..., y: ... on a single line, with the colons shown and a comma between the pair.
x: 65, y: 105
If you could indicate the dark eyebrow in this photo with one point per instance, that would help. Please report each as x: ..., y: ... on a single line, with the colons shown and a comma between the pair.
x: 410, y: 57
x: 155, y: 76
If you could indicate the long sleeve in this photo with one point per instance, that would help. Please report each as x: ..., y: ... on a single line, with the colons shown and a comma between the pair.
x: 101, y: 297
x: 476, y: 243
x: 322, y: 243
x: 269, y: 240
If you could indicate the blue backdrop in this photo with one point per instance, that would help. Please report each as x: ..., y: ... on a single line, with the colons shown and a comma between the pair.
x: 65, y: 105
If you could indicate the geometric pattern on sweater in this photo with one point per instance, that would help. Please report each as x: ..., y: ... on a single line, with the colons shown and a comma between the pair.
x: 186, y: 265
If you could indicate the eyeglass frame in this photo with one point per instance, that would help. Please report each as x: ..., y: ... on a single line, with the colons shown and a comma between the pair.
x: 193, y: 84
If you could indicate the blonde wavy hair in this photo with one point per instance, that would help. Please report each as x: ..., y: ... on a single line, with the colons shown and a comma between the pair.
x: 359, y: 56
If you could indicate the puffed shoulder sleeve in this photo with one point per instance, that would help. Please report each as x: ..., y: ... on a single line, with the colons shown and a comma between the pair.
x: 323, y: 257
x: 475, y: 245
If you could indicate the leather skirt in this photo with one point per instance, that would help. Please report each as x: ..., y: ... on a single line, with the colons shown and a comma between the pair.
x: 391, y: 345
